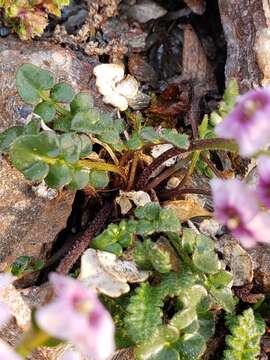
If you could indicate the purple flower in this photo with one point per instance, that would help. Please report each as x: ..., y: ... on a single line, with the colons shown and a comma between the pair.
x: 264, y: 180
x: 71, y: 355
x: 76, y: 315
x: 6, y: 352
x: 236, y: 206
x: 5, y: 281
x: 249, y: 123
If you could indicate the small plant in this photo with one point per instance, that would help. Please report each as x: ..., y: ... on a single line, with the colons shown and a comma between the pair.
x: 196, y: 285
x: 24, y: 265
x: 29, y: 18
x: 244, y: 341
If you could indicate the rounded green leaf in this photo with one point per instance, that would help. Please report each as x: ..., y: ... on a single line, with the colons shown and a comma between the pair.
x: 37, y: 171
x: 86, y: 145
x: 206, y: 261
x: 191, y: 347
x: 8, y: 136
x: 31, y: 81
x: 45, y: 110
x: 80, y: 179
x: 62, y: 92
x: 99, y: 179
x: 116, y: 249
x: 27, y: 149
x: 59, y: 175
x: 70, y: 147
x: 183, y: 318
x: 63, y: 123
x: 149, y: 133
x: 33, y: 127
x: 83, y: 101
x: 83, y: 121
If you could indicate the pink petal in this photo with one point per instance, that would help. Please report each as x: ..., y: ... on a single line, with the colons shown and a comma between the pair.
x: 7, y: 353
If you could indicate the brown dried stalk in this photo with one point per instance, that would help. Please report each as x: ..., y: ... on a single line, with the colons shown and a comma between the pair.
x: 175, y: 193
x: 201, y: 144
x: 82, y: 240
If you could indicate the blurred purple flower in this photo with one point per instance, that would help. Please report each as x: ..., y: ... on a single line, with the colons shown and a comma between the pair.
x: 249, y: 123
x: 76, y: 315
x: 236, y: 206
x: 71, y: 355
x: 263, y: 188
x: 6, y: 352
x: 5, y: 280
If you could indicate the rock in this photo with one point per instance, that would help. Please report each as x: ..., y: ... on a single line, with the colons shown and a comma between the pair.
x: 237, y: 259
x: 261, y: 258
x: 29, y: 224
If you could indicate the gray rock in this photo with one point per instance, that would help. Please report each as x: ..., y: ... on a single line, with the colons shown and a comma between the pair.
x: 28, y: 224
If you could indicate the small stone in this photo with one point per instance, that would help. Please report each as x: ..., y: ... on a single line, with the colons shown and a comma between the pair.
x: 146, y: 10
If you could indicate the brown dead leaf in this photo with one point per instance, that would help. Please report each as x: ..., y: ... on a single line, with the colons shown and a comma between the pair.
x: 187, y: 209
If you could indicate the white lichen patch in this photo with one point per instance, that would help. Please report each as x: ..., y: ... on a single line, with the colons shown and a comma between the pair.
x: 106, y: 274
x: 116, y: 89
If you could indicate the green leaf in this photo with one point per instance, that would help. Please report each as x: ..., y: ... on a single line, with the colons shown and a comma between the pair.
x: 120, y: 234
x: 86, y: 145
x: 224, y: 298
x: 62, y: 93
x: 32, y: 128
x: 244, y: 341
x: 221, y: 279
x: 135, y: 142
x: 207, y: 262
x: 20, y: 265
x: 37, y: 171
x: 99, y: 179
x: 63, y: 123
x: 80, y: 179
x: 188, y: 240
x: 190, y: 346
x: 206, y: 325
x: 83, y: 121
x: 144, y: 313
x: 149, y: 133
x: 45, y: 110
x: 179, y: 140
x: 184, y: 318
x: 83, y: 101
x: 28, y: 149
x: 158, y: 347
x: 8, y: 136
x: 70, y: 147
x: 59, y: 175
x: 31, y: 81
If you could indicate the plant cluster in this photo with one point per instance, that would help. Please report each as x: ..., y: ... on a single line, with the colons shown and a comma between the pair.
x: 29, y: 18
x: 186, y: 272
x: 171, y: 315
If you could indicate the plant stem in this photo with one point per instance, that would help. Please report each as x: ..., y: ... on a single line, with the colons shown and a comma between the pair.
x: 58, y: 108
x: 83, y: 240
x: 100, y: 166
x: 196, y: 145
x: 31, y: 340
x: 107, y: 147
x: 170, y: 194
x: 133, y: 171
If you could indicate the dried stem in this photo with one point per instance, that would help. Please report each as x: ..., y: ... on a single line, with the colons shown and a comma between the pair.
x: 174, y: 193
x: 82, y: 241
x: 196, y: 145
x: 133, y: 171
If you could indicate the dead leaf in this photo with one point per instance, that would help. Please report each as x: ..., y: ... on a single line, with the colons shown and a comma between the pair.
x: 139, y: 198
x: 186, y: 209
x: 106, y: 274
